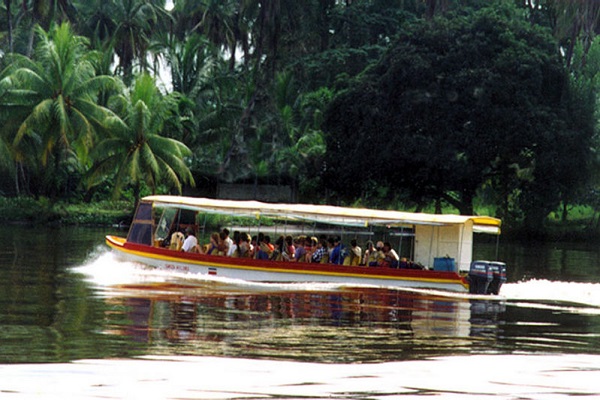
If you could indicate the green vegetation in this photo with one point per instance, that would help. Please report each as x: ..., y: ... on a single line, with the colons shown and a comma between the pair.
x: 43, y: 211
x: 460, y: 106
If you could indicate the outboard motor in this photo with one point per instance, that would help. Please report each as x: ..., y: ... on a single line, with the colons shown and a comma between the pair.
x: 498, y: 270
x: 480, y: 276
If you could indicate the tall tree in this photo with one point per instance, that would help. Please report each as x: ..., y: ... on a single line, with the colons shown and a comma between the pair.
x: 133, y: 22
x: 44, y: 13
x: 52, y: 101
x: 458, y: 104
x: 137, y: 151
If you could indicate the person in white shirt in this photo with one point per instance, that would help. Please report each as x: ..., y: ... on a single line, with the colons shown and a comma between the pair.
x: 391, y: 257
x: 227, y: 242
x: 191, y: 243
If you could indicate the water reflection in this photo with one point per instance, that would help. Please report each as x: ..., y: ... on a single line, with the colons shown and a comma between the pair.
x: 486, y: 321
x: 59, y: 303
x: 353, y: 325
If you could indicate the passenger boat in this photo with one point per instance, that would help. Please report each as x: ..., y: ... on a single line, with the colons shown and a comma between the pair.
x: 441, y: 243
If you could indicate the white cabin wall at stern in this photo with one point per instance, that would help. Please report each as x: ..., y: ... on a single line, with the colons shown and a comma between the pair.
x: 454, y: 241
x: 463, y: 261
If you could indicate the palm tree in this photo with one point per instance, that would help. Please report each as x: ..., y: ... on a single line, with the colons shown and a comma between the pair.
x: 98, y: 20
x: 137, y: 151
x: 132, y: 24
x: 51, y: 101
x: 217, y: 20
x: 190, y: 62
x: 44, y: 13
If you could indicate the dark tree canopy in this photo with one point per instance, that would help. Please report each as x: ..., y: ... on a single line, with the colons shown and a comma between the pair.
x: 455, y: 104
x: 461, y: 104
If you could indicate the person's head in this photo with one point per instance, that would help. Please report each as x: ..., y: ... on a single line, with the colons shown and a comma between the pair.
x: 353, y: 243
x: 379, y: 245
x: 214, y: 237
x: 280, y: 242
x: 370, y: 245
x: 387, y: 246
x: 189, y: 231
x: 245, y: 237
x: 314, y: 242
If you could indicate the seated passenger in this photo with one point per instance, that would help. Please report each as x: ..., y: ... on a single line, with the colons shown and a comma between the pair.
x: 245, y: 247
x: 310, y: 247
x: 371, y: 256
x: 233, y: 246
x: 290, y: 248
x: 319, y: 254
x: 329, y: 246
x: 390, y: 256
x: 227, y: 242
x: 300, y: 250
x: 190, y: 245
x: 267, y: 242
x: 213, y: 246
x: 354, y: 255
x: 177, y: 239
x: 337, y: 251
x: 254, y: 246
x: 223, y: 244
x: 280, y: 252
x: 380, y: 255
x: 265, y: 248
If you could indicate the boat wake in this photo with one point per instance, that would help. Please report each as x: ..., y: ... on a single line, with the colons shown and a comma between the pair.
x: 576, y: 297
x: 113, y: 277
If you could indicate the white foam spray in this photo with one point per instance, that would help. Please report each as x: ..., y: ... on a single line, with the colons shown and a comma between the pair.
x: 106, y: 272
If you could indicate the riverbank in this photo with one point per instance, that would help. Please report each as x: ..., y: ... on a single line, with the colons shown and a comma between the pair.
x: 27, y: 210
x: 42, y: 211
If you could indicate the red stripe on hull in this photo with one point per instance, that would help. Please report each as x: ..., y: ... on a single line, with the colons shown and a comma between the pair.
x: 289, y: 267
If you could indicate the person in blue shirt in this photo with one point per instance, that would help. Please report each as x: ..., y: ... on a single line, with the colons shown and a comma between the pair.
x: 338, y: 253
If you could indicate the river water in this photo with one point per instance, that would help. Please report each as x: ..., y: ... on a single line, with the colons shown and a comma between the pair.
x: 77, y: 323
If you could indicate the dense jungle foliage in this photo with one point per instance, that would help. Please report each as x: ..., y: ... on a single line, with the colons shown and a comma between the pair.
x: 461, y: 105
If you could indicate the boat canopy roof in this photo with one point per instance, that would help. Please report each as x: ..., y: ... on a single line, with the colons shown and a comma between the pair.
x: 345, y: 216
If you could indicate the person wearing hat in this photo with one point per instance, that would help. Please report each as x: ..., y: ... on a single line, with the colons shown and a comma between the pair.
x: 191, y: 243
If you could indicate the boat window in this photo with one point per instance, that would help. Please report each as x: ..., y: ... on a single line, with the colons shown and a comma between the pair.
x: 165, y: 223
x: 144, y: 212
x: 140, y: 233
x: 141, y: 228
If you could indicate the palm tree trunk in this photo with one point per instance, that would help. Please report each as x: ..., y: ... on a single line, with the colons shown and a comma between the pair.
x: 9, y: 24
x: 17, y: 186
x: 29, y: 52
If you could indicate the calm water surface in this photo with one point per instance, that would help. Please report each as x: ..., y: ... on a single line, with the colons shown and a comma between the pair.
x: 77, y: 323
